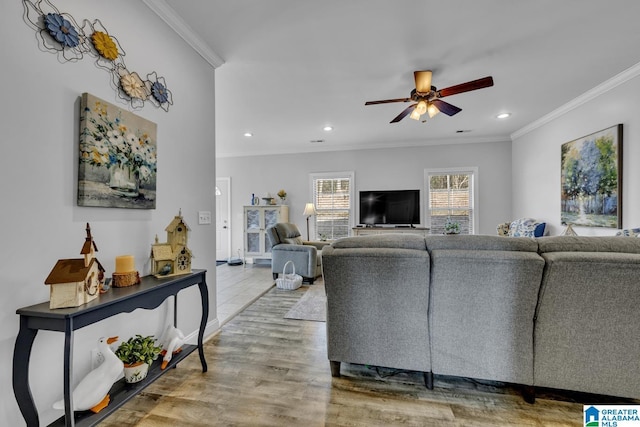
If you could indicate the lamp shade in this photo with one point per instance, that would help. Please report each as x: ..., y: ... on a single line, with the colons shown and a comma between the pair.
x: 432, y: 110
x: 309, y: 209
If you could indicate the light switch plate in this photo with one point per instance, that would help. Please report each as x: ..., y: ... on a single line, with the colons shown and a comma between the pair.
x: 204, y: 217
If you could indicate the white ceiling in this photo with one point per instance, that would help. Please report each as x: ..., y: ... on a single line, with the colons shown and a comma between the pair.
x: 293, y: 66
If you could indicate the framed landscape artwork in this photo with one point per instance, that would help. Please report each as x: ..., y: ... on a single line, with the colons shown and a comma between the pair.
x: 591, y: 177
x: 118, y: 157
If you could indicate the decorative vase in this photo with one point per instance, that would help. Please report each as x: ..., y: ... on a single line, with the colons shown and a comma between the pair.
x: 136, y: 372
x: 124, y: 180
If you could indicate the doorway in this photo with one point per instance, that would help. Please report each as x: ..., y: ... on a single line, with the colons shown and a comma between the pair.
x: 223, y: 214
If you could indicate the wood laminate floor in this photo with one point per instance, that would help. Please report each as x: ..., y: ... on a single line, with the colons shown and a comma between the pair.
x: 265, y: 370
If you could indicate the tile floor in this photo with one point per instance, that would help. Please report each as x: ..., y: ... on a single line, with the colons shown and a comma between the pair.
x: 239, y: 286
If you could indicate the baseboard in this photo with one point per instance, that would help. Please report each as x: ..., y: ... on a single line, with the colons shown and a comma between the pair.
x: 210, y: 330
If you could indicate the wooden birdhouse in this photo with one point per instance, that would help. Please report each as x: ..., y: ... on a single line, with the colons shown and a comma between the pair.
x: 172, y: 257
x: 74, y: 282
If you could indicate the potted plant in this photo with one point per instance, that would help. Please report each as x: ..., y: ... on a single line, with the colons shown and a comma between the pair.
x: 137, y: 354
x: 451, y: 227
x: 283, y: 197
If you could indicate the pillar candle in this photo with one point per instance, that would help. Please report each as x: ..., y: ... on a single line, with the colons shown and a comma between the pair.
x: 125, y: 264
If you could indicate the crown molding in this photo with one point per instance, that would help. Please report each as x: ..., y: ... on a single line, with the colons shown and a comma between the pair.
x: 591, y: 94
x: 381, y: 146
x: 169, y: 15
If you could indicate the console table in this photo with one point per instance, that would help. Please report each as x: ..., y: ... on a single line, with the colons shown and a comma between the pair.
x: 149, y: 294
x: 365, y: 231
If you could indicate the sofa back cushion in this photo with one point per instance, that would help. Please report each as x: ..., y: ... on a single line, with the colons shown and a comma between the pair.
x: 587, y: 320
x: 377, y: 304
x: 482, y: 304
x: 389, y: 241
x: 479, y: 243
x: 588, y: 244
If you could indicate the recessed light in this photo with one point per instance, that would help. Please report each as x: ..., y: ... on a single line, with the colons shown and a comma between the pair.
x: 503, y: 115
x: 315, y: 141
x: 248, y: 134
x: 327, y: 128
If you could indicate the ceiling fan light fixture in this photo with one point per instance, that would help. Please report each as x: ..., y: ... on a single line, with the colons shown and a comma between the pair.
x: 414, y: 114
x: 421, y: 108
x: 432, y: 110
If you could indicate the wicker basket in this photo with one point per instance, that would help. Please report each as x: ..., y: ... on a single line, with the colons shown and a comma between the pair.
x: 289, y: 281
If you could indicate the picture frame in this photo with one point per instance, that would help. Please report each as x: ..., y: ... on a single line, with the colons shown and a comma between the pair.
x: 117, y: 158
x: 591, y: 180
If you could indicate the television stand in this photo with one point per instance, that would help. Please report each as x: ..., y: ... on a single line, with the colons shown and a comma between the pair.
x: 365, y: 231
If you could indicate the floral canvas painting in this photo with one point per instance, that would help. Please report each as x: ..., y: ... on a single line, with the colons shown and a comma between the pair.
x: 117, y: 157
x: 592, y: 180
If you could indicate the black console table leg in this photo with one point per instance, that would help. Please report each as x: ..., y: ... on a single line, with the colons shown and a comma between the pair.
x: 428, y: 380
x: 21, y: 389
x: 204, y: 296
x: 68, y: 374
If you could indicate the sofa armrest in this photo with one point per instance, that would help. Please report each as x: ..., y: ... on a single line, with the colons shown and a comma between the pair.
x: 317, y: 244
x: 304, y: 259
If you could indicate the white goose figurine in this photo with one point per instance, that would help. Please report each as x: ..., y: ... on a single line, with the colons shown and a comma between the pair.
x: 92, y: 391
x: 172, y: 341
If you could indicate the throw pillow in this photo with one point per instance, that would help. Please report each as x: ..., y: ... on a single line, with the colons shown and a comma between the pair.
x: 526, y: 227
x: 293, y: 240
x: 629, y: 232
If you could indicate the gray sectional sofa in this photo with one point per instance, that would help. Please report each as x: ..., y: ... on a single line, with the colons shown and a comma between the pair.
x: 559, y: 312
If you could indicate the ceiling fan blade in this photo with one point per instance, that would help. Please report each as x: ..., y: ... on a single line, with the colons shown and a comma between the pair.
x: 466, y: 87
x: 445, y: 107
x: 404, y: 114
x: 387, y: 101
x: 423, y: 81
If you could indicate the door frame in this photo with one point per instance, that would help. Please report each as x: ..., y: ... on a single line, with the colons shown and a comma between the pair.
x: 224, y: 184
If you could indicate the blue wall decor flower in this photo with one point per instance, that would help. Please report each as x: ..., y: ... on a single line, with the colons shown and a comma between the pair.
x: 61, y: 30
x: 159, y: 92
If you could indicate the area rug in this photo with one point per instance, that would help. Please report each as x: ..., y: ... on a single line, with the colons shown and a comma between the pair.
x: 312, y: 305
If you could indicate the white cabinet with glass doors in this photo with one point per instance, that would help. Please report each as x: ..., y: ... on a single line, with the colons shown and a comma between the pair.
x: 256, y: 221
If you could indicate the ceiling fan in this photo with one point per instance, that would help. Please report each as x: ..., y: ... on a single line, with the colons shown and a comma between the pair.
x: 427, y: 97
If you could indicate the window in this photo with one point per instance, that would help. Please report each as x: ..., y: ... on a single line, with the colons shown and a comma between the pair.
x: 450, y: 196
x: 332, y: 195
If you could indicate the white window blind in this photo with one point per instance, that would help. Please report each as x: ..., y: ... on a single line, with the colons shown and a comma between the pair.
x: 450, y: 197
x: 333, y: 199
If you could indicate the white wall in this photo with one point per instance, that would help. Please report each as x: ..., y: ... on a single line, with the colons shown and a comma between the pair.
x: 536, y: 157
x: 379, y: 169
x: 39, y: 118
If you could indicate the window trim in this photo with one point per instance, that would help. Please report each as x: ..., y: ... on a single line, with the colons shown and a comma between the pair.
x: 472, y: 170
x: 334, y: 175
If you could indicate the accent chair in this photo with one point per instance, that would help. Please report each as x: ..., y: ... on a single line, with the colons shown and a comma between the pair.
x: 287, y: 245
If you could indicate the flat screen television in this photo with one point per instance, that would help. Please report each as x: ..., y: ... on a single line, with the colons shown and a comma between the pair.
x: 391, y: 207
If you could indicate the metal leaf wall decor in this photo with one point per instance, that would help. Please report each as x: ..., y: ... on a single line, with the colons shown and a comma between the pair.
x: 59, y: 33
